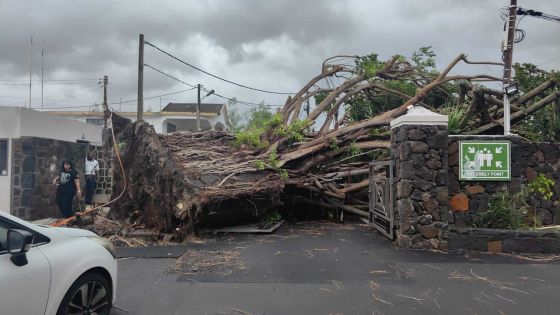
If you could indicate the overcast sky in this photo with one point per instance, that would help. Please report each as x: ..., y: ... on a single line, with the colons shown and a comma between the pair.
x: 274, y: 45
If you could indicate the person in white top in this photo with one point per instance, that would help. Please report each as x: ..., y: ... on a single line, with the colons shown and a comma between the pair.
x: 92, y: 170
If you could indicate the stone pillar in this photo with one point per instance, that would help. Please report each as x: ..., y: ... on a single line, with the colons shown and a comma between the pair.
x: 419, y: 149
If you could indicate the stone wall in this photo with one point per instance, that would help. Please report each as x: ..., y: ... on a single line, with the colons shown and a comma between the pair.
x: 504, y: 241
x: 468, y: 198
x: 35, y: 162
x: 421, y: 163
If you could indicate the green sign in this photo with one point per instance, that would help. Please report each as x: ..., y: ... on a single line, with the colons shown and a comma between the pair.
x: 484, y: 160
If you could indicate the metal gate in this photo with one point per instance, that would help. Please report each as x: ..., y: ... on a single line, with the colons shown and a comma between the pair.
x: 381, y: 197
x: 104, y: 187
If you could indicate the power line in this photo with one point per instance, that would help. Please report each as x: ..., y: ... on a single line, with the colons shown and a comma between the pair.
x: 205, y: 89
x: 53, y: 80
x: 168, y: 75
x: 213, y: 75
x: 47, y: 99
x: 243, y: 102
x: 53, y: 83
x: 123, y: 102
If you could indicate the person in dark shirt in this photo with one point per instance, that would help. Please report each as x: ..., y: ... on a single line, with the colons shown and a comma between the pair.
x: 68, y: 184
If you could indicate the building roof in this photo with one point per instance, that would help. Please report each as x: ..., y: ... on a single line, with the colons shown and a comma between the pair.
x: 191, y: 107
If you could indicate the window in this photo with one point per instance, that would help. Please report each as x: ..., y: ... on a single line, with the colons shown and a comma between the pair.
x: 3, y: 157
x: 95, y: 121
x: 171, y: 128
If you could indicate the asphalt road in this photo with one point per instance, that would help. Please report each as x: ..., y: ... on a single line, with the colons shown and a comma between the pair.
x: 313, y: 268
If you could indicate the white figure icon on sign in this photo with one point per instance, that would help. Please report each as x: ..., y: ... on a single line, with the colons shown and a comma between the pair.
x: 488, y: 157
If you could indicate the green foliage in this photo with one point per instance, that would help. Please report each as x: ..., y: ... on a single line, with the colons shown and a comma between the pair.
x: 251, y: 137
x: 369, y: 65
x: 272, y: 217
x: 542, y: 186
x: 457, y: 115
x: 293, y: 132
x: 271, y: 163
x: 273, y: 159
x: 544, y: 125
x: 319, y: 97
x: 378, y: 155
x: 353, y: 150
x: 283, y: 174
x: 260, y: 117
x: 259, y: 165
x: 528, y: 76
x: 274, y: 121
x: 121, y: 145
x: 361, y: 107
x: 333, y: 144
x: 506, y: 211
x: 424, y: 59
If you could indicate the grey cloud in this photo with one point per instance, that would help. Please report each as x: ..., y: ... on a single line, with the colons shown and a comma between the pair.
x: 288, y: 39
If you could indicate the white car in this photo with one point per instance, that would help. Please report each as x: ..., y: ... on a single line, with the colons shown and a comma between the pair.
x: 46, y: 270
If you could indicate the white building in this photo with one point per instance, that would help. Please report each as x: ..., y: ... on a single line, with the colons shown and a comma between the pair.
x: 17, y: 122
x: 174, y: 117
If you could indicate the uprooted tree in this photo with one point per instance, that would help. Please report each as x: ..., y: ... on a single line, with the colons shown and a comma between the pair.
x: 180, y: 181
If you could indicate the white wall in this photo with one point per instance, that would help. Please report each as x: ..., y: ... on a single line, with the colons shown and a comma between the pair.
x: 9, y: 128
x: 10, y: 118
x: 38, y: 124
x: 159, y: 121
x: 6, y: 183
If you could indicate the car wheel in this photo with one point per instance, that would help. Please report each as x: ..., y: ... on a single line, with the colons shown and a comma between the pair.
x: 89, y: 295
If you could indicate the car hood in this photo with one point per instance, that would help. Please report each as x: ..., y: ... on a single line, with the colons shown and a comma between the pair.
x: 75, y: 232
x: 63, y: 231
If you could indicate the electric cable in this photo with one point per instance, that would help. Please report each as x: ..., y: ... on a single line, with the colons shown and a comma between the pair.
x: 213, y: 75
x: 116, y: 148
x: 206, y: 90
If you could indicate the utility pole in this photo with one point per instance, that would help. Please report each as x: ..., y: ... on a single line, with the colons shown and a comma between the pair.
x: 120, y: 104
x: 30, y: 68
x: 198, y: 110
x: 42, y: 76
x: 105, y: 83
x: 140, y: 109
x: 508, y: 58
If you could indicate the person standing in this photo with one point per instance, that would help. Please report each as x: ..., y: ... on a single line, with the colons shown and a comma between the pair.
x: 92, y: 169
x: 68, y: 184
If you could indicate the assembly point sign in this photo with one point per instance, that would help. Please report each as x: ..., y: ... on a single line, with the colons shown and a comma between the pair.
x: 484, y: 160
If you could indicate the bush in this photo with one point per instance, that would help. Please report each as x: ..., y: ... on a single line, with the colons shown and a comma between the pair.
x: 506, y: 211
x: 457, y: 118
x: 251, y: 137
x: 542, y: 185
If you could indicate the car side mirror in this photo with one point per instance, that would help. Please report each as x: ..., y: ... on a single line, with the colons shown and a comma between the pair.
x: 19, y: 242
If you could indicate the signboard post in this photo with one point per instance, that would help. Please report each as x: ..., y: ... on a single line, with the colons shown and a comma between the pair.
x: 484, y: 160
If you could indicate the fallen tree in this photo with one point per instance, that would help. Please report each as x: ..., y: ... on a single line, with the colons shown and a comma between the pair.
x: 185, y: 180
